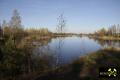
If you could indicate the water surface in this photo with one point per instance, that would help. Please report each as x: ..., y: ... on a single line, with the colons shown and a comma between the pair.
x: 68, y: 49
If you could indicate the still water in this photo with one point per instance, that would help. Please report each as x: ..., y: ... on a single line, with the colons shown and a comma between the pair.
x: 68, y: 49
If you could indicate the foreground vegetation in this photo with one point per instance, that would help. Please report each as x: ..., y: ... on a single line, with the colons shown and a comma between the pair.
x: 85, y: 68
x: 17, y: 58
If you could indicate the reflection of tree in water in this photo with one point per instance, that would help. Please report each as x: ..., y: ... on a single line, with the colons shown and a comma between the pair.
x: 109, y: 43
x: 58, y: 51
x: 44, y: 54
x: 51, y: 57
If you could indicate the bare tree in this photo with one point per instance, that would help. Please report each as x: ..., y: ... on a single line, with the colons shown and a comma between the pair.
x: 61, y: 27
x: 1, y: 32
x: 118, y: 30
x: 4, y: 25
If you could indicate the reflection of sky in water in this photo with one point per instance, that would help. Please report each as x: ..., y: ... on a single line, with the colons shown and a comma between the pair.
x: 71, y: 48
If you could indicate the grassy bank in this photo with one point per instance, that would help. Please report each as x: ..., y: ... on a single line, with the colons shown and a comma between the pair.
x: 85, y: 68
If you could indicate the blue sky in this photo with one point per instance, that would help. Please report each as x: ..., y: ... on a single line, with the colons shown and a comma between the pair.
x: 81, y: 15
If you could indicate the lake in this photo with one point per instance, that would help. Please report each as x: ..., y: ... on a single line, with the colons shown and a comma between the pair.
x: 64, y: 50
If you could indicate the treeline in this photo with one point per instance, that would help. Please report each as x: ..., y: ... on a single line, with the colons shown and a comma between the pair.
x: 15, y: 29
x: 113, y: 31
x: 37, y: 34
